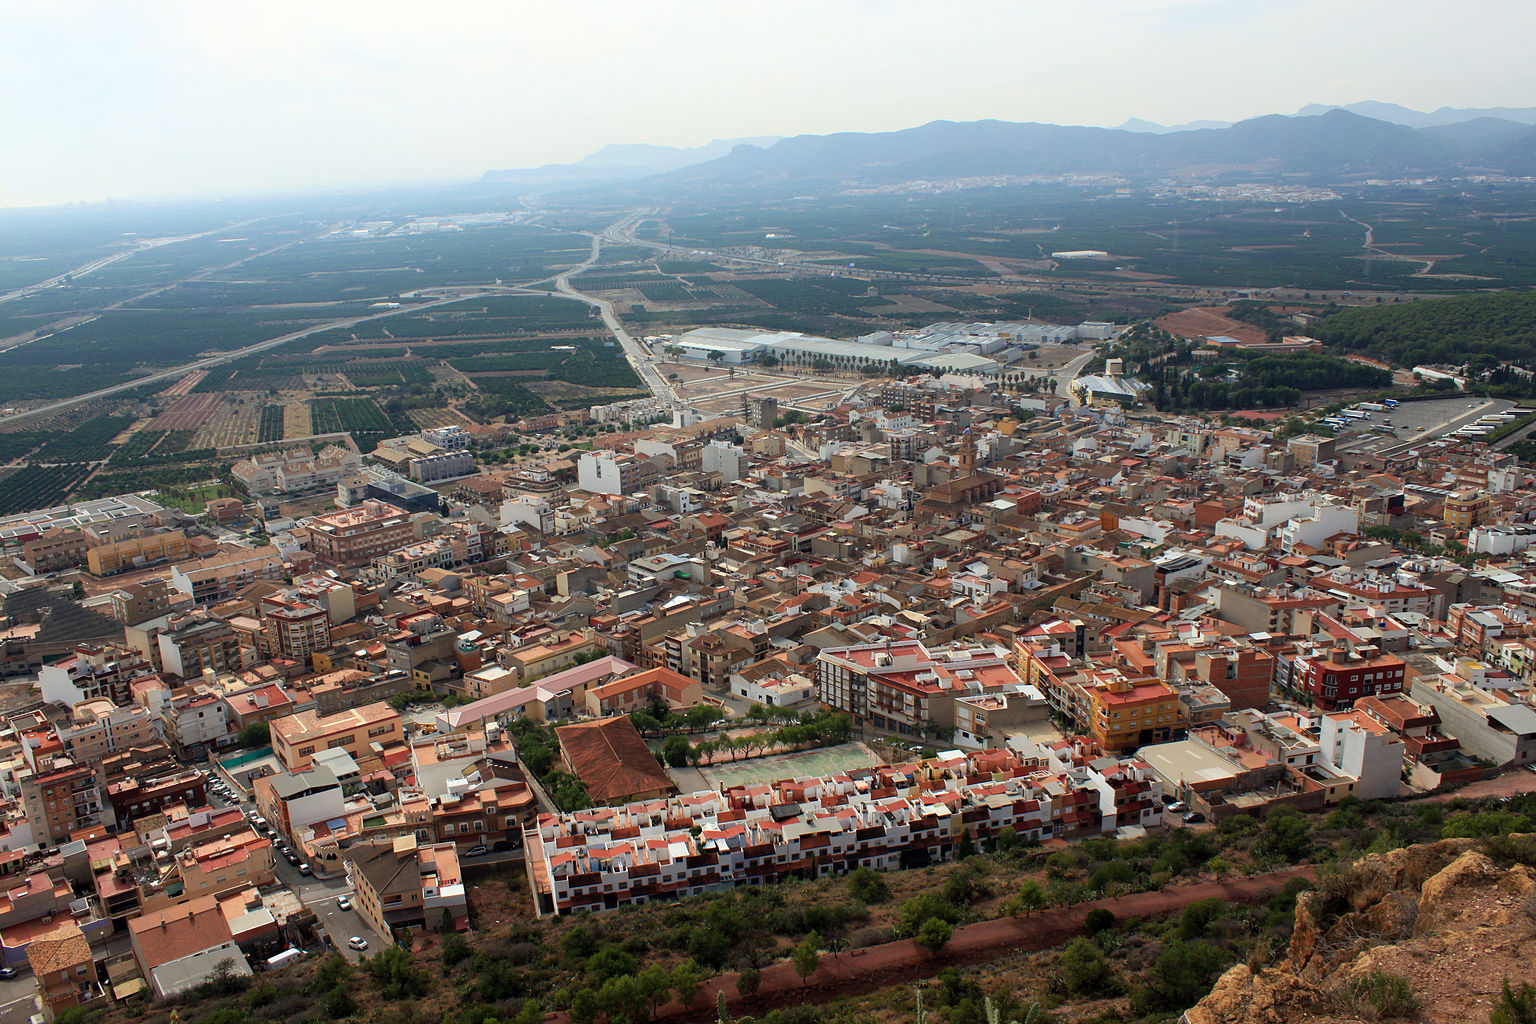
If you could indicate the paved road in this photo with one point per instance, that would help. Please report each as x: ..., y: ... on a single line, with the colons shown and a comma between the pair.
x: 210, y: 361
x: 86, y: 269
x: 638, y: 357
x: 320, y: 895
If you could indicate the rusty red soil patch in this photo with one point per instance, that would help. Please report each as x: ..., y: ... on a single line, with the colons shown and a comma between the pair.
x: 1205, y: 321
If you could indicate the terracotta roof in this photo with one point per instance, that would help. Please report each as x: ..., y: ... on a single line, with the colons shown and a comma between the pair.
x: 612, y: 759
x: 170, y: 934
x: 59, y: 950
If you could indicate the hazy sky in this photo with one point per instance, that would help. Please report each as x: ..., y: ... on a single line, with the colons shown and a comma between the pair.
x: 143, y: 99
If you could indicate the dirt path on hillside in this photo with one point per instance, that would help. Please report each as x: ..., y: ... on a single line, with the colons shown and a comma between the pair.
x: 874, y: 967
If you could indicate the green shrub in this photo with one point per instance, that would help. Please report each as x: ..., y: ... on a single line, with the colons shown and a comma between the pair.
x: 1515, y: 1007
x: 868, y: 886
x: 1099, y: 920
x: 1082, y: 970
x: 1385, y: 996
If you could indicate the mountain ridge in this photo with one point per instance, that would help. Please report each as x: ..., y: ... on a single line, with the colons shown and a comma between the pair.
x: 1331, y: 144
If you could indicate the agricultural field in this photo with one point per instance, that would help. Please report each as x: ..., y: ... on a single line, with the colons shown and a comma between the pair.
x: 428, y: 419
x: 328, y: 415
x: 88, y: 442
x: 492, y: 317
x: 187, y: 413
x: 231, y: 424
x: 271, y: 426
x: 296, y: 420
x: 1423, y: 239
x: 39, y: 487
x: 16, y: 445
x: 137, y: 447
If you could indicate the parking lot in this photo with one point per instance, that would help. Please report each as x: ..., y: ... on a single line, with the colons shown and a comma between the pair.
x: 1414, y: 420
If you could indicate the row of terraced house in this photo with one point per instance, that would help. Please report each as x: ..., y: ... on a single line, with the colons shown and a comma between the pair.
x: 887, y: 817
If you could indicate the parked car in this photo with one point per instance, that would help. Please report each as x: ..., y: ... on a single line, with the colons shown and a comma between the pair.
x: 1178, y: 807
x: 304, y: 869
x: 342, y: 903
x: 476, y: 851
x: 1193, y: 818
x: 291, y: 858
x: 357, y: 942
x: 1530, y: 767
x: 7, y: 972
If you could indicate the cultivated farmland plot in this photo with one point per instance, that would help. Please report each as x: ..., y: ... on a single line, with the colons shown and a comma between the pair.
x: 296, y: 420
x: 230, y: 425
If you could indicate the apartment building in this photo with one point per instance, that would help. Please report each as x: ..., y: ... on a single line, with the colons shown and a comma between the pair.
x: 356, y: 536
x: 138, y: 552
x: 220, y: 576
x: 1238, y: 669
x: 98, y: 727
x: 607, y: 472
x: 632, y: 693
x: 1339, y: 676
x: 291, y: 801
x: 295, y: 470
x: 93, y: 671
x: 292, y: 629
x: 60, y: 797
x: 226, y: 865
x: 1360, y: 745
x: 142, y: 600
x: 884, y: 818
x: 358, y: 731
x: 197, y: 642
x: 1126, y: 713
x: 1485, y: 723
x: 401, y: 884
x: 1466, y: 509
x: 194, y: 720
x: 904, y: 687
x: 152, y: 792
x: 55, y: 549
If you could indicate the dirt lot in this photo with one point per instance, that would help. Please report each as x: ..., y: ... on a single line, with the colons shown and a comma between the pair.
x: 687, y: 372
x: 1204, y: 321
x: 1050, y: 357
x: 296, y: 422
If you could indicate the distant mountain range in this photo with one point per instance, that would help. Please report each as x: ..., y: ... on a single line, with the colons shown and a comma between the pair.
x: 1391, y: 112
x: 1320, y: 142
x: 1333, y: 145
x: 636, y: 160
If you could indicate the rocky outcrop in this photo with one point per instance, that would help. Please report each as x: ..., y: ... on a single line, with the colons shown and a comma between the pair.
x: 1444, y: 916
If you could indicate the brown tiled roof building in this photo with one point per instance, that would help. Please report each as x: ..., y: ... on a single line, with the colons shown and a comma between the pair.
x: 611, y: 758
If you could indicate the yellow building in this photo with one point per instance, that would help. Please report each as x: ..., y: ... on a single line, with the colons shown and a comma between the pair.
x: 137, y: 552
x: 1130, y: 713
x: 541, y: 659
x: 222, y: 866
x: 1465, y: 509
x: 355, y: 730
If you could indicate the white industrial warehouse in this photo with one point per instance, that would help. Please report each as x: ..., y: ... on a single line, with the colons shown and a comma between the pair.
x: 982, y: 349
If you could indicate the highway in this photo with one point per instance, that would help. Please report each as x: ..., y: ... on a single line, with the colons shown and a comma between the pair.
x: 622, y: 233
x: 638, y: 357
x: 249, y: 350
x: 106, y: 261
